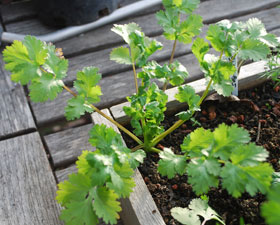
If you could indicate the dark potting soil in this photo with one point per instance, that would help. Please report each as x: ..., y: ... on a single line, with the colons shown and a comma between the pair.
x: 258, y: 111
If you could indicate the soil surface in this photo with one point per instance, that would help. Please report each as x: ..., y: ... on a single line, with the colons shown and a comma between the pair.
x: 258, y: 111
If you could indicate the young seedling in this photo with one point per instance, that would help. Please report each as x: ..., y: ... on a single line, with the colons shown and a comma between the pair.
x: 105, y: 175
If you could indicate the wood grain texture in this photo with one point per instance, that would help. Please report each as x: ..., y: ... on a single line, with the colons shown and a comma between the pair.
x: 249, y: 77
x: 27, y: 185
x: 101, y: 37
x: 15, y: 114
x: 66, y: 146
x: 17, y: 11
x: 101, y: 58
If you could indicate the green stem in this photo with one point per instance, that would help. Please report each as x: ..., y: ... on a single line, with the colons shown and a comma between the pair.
x: 137, y: 147
x: 108, y: 118
x: 180, y: 122
x: 153, y: 149
x: 135, y: 77
x: 170, y: 61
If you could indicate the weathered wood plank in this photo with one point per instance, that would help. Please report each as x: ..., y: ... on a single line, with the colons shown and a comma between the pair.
x: 250, y: 76
x: 15, y: 114
x: 66, y: 146
x: 17, y: 11
x: 29, y: 27
x: 27, y: 184
x: 100, y: 59
x: 101, y: 37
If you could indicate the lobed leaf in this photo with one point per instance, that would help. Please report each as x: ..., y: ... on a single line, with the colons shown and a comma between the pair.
x: 79, y: 212
x: 45, y: 87
x: 106, y: 205
x: 270, y: 209
x: 76, y: 107
x: 121, y: 55
x: 170, y: 164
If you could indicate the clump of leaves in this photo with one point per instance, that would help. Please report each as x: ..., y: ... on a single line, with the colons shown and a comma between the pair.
x: 270, y: 210
x: 273, y: 67
x: 224, y: 155
x: 105, y: 175
x: 196, y: 209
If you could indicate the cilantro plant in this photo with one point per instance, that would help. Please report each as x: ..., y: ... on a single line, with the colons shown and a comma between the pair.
x: 197, y: 208
x: 273, y: 67
x: 271, y: 208
x: 105, y: 175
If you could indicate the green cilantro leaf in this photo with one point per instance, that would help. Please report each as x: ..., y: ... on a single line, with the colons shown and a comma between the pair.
x: 198, y: 140
x: 187, y: 94
x: 106, y: 205
x: 121, y: 55
x: 270, y: 209
x: 125, y: 30
x: 86, y: 84
x: 169, y: 20
x: 185, y: 216
x: 217, y: 37
x: 76, y: 107
x: 199, y: 48
x: 55, y: 65
x: 188, y: 6
x: 253, y: 49
x: 227, y: 138
x: 170, y: 164
x: 135, y: 158
x: 121, y: 181
x: 45, y: 87
x: 24, y: 59
x: 203, y: 174
x: 201, y: 208
x: 104, y: 137
x: 74, y: 189
x: 79, y: 212
x: 189, y: 28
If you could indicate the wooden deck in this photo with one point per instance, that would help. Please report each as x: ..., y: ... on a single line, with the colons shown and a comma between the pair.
x: 38, y: 147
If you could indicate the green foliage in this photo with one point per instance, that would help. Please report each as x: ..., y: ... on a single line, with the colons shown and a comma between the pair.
x: 270, y: 209
x: 140, y: 46
x: 273, y: 66
x: 104, y: 176
x: 224, y: 154
x: 174, y: 73
x: 88, y: 93
x: 33, y: 61
x: 171, y: 164
x: 173, y: 28
x: 148, y: 105
x: 191, y: 215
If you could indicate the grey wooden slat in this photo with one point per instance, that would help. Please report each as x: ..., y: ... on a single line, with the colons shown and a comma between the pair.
x: 66, y: 146
x: 250, y: 76
x: 17, y: 11
x: 15, y: 114
x: 29, y: 27
x: 27, y: 185
x: 101, y: 37
x: 270, y: 18
x: 62, y: 174
x: 209, y: 10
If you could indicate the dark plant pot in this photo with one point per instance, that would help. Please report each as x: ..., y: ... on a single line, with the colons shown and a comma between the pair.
x: 62, y: 13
